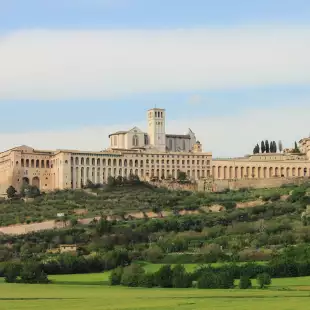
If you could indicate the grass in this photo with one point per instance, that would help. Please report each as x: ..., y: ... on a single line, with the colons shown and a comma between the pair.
x: 85, y: 291
x: 67, y: 297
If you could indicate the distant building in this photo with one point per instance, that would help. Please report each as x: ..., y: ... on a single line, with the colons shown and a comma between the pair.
x: 147, y: 154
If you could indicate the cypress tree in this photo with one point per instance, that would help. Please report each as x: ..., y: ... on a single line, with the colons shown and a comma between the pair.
x: 267, y: 146
x: 262, y: 147
x: 275, y: 146
x: 280, y: 146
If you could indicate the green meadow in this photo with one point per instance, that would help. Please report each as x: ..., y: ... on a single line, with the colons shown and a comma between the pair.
x: 89, y: 291
x: 95, y: 297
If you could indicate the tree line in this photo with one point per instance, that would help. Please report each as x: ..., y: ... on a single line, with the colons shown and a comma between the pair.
x: 268, y: 147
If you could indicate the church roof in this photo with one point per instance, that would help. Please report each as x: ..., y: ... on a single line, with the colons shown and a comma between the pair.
x: 178, y: 136
x: 118, y: 133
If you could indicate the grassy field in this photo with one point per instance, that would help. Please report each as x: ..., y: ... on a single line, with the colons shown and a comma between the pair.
x: 84, y: 291
x: 80, y: 297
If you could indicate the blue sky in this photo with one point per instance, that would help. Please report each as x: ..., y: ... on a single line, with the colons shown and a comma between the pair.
x: 71, y: 67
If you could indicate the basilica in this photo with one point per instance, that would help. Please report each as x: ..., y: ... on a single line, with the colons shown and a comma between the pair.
x: 151, y: 154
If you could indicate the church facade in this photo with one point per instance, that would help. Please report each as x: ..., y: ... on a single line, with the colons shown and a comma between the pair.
x: 151, y: 154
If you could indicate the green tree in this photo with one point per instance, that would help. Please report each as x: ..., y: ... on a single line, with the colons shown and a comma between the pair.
x: 32, y: 272
x: 115, y: 277
x: 131, y: 275
x: 111, y: 181
x: 245, y: 282
x: 267, y: 146
x: 207, y: 280
x: 263, y: 280
x: 296, y: 149
x: 163, y: 277
x: 180, y: 278
x: 275, y: 148
x: 262, y: 147
x: 11, y: 191
x: 146, y: 280
x: 182, y: 176
x: 11, y: 272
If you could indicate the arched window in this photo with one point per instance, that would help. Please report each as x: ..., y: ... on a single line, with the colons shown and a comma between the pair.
x: 135, y: 140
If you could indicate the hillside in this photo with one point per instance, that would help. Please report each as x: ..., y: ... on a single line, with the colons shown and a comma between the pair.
x: 269, y: 221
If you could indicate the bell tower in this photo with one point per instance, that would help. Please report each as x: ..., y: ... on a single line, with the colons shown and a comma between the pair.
x: 157, y: 128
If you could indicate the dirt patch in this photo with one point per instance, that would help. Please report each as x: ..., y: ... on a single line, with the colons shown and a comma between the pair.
x: 80, y: 211
x: 284, y: 197
x: 188, y: 212
x: 249, y: 204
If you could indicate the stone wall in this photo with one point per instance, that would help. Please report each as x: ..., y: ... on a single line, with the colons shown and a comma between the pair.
x: 220, y: 185
x: 176, y: 186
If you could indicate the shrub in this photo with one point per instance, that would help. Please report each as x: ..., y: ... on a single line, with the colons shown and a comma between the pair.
x: 163, y: 277
x: 263, y: 280
x: 32, y: 272
x: 180, y: 278
x: 11, y: 272
x: 116, y: 276
x: 146, y: 280
x: 245, y: 282
x: 207, y: 280
x: 132, y: 275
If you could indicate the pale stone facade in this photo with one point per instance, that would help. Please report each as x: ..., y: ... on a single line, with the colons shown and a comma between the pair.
x: 148, y: 155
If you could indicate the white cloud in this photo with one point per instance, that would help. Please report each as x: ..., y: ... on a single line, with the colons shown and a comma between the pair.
x: 67, y: 65
x: 230, y: 136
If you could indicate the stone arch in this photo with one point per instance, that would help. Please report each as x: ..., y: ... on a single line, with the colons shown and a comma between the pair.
x: 120, y: 163
x: 219, y: 172
x: 136, y: 163
x: 253, y: 175
x: 109, y: 162
x: 42, y: 164
x: 230, y: 172
x: 288, y: 174
x: 265, y: 173
x: 259, y: 172
x: 236, y: 172
x: 87, y: 161
x: 293, y: 172
x: 114, y: 162
x: 276, y: 171
x: 242, y: 172
x: 225, y: 172
x: 27, y: 163
x: 141, y: 163
x: 282, y: 172
x: 25, y: 180
x: 270, y: 172
x: 248, y: 172
x: 104, y: 162
x: 82, y: 161
x: 36, y: 182
x: 130, y: 163
x: 299, y: 172
x: 76, y: 160
x: 32, y: 163
x: 98, y: 161
x: 93, y: 161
